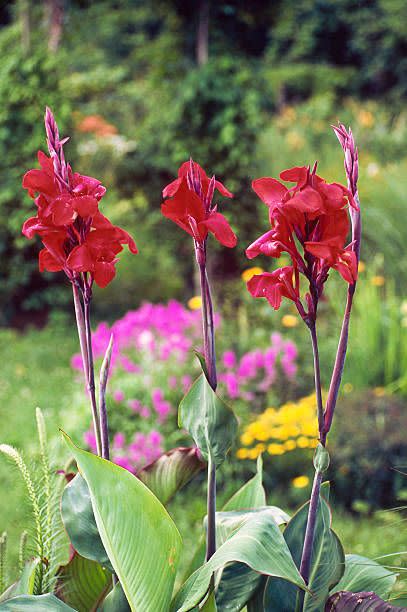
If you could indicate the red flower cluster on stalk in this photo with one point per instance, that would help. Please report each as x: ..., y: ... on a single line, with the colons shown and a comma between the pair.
x: 189, y: 205
x: 76, y: 237
x: 310, y: 222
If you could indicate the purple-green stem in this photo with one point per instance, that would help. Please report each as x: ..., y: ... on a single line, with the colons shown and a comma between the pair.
x: 210, y: 361
x: 83, y: 324
x: 305, y: 565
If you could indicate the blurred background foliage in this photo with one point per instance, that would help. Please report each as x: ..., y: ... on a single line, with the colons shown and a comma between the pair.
x: 247, y: 89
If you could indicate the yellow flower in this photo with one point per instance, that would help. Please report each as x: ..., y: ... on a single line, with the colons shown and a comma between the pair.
x: 252, y: 453
x: 361, y: 266
x: 300, y: 482
x: 379, y: 391
x: 241, y: 453
x: 250, y: 272
x: 348, y: 387
x: 289, y: 320
x: 302, y: 442
x: 366, y: 118
x: 246, y: 438
x: 290, y: 445
x: 378, y: 281
x: 195, y: 302
x: 276, y: 449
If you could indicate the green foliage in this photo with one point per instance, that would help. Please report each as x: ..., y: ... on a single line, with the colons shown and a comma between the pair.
x: 39, y: 603
x: 369, y: 449
x: 170, y: 472
x: 83, y: 583
x: 258, y: 543
x: 131, y: 521
x: 362, y: 574
x: 79, y: 521
x: 43, y: 488
x: 210, y: 422
x: 327, y: 562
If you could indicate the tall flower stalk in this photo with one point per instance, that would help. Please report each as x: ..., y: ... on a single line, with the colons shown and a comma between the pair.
x: 310, y: 222
x: 190, y: 205
x: 78, y: 240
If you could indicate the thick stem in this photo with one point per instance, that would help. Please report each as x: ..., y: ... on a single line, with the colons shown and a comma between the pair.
x: 306, y: 556
x: 91, y: 376
x: 210, y: 360
x: 317, y: 378
x: 339, y: 365
x: 80, y: 323
x: 211, y: 511
x: 305, y: 566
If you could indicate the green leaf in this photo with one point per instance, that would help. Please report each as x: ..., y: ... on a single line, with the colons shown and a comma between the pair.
x: 362, y: 574
x: 358, y: 602
x: 208, y: 419
x: 238, y: 582
x: 83, y: 583
x: 202, y: 362
x: 327, y: 563
x: 250, y: 495
x: 80, y: 524
x: 116, y: 601
x: 171, y: 472
x: 138, y: 534
x: 36, y: 603
x: 258, y: 543
x: 25, y: 584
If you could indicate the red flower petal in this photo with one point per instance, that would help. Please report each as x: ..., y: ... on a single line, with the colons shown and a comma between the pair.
x: 62, y: 210
x: 80, y: 259
x: 219, y: 226
x: 298, y: 174
x: 269, y: 190
x: 104, y: 273
x: 48, y: 262
x: 85, y: 206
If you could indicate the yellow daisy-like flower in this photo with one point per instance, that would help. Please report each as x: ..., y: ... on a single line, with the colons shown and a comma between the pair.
x: 348, y: 387
x: 361, y: 266
x: 276, y: 449
x: 300, y: 482
x: 195, y: 303
x: 378, y: 281
x: 379, y: 391
x: 289, y: 320
x: 250, y: 272
x: 242, y: 453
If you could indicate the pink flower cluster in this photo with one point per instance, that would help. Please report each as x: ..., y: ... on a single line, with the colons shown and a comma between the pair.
x: 258, y: 368
x: 151, y: 360
x: 143, y: 450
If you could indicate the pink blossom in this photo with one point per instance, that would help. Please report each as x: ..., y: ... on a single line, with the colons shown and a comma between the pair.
x: 229, y: 359
x: 172, y: 382
x: 118, y: 395
x: 90, y: 440
x: 123, y: 462
x: 145, y: 412
x: 118, y: 441
x: 135, y: 405
x: 186, y: 382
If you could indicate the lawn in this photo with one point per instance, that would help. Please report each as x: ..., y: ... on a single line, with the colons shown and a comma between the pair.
x: 36, y: 372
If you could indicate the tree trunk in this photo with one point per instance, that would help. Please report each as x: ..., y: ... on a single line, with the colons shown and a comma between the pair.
x: 53, y: 17
x: 203, y: 33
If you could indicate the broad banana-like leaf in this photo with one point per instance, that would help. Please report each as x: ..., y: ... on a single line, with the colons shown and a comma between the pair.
x: 83, y: 583
x: 327, y: 563
x: 259, y: 544
x: 171, y: 472
x: 116, y: 601
x: 25, y: 584
x: 139, y: 536
x: 35, y: 603
x: 362, y: 574
x: 208, y: 419
x: 80, y: 524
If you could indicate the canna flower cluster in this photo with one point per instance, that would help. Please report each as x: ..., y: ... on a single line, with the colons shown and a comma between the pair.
x: 281, y: 430
x: 77, y: 238
x: 189, y: 204
x: 310, y: 223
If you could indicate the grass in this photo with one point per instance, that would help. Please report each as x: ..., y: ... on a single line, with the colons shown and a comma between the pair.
x: 36, y: 372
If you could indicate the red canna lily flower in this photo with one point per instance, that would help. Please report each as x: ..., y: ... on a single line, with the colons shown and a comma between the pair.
x: 189, y: 205
x: 275, y: 285
x: 310, y: 222
x: 77, y: 238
